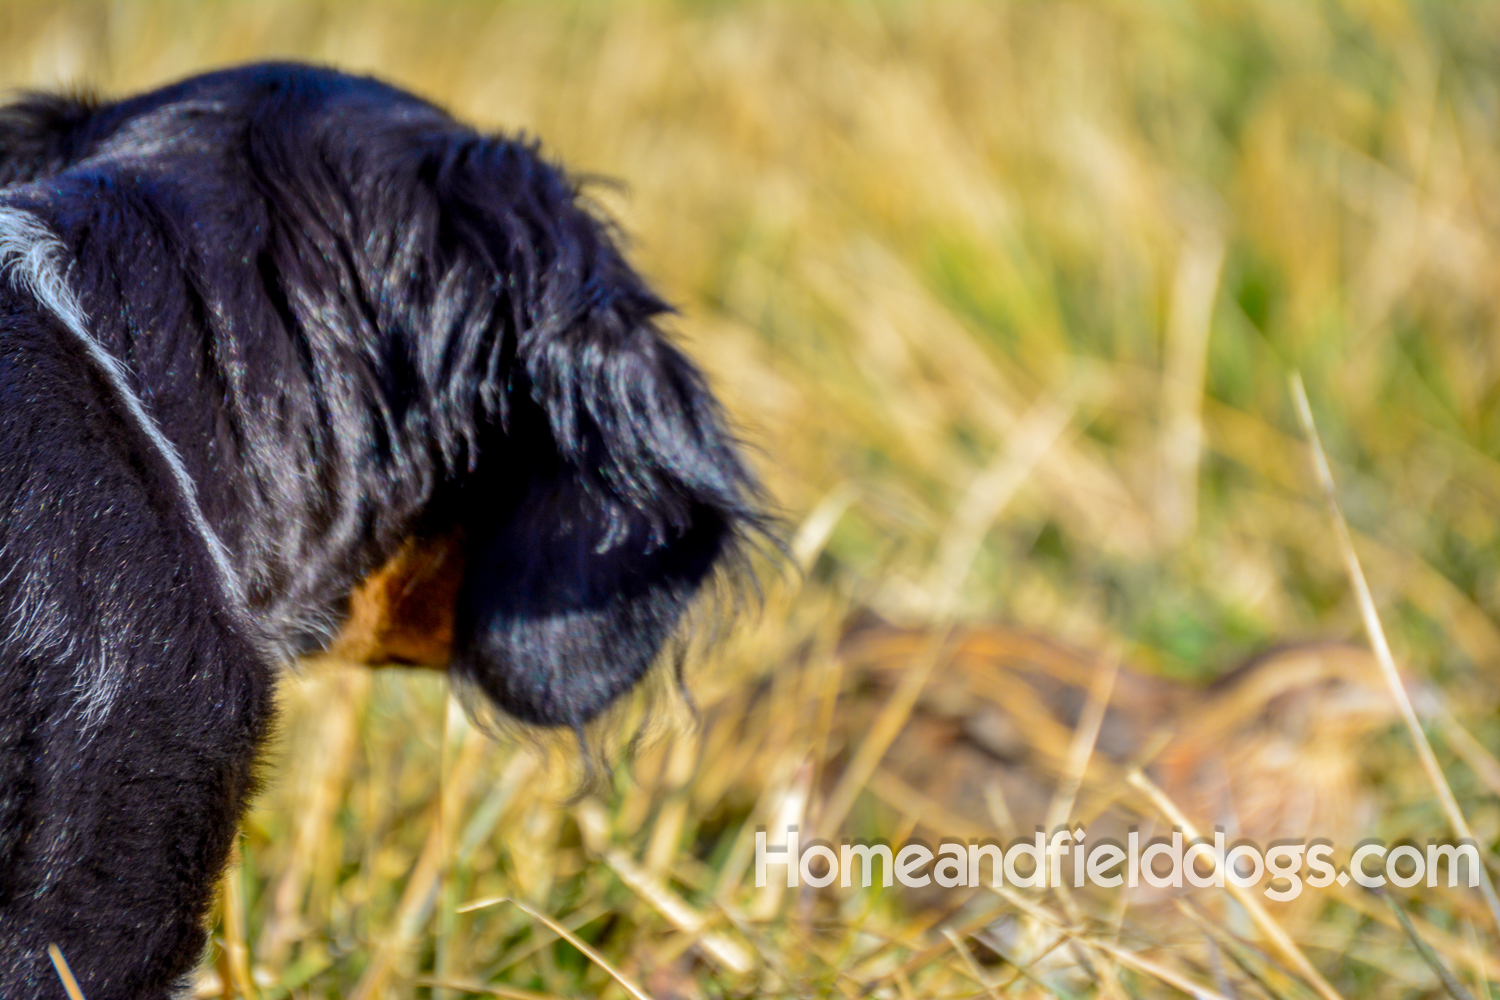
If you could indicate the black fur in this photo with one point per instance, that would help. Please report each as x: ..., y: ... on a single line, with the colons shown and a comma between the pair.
x: 40, y: 134
x: 358, y: 322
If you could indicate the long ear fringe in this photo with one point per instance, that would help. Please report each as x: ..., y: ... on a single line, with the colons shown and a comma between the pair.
x: 619, y: 398
x: 639, y: 424
x: 624, y: 406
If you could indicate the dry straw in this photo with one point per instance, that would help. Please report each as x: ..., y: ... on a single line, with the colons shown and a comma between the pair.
x: 1376, y: 633
x: 60, y: 963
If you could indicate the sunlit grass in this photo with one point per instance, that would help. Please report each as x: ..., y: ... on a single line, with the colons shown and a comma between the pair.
x: 902, y: 234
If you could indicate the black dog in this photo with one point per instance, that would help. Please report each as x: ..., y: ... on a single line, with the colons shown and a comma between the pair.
x: 266, y: 335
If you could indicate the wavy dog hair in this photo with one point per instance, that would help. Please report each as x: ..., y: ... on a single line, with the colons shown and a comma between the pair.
x: 276, y: 344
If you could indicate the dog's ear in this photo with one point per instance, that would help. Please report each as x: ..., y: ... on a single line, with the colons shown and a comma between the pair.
x: 610, y: 490
x: 571, y: 593
x: 614, y: 498
x: 40, y: 135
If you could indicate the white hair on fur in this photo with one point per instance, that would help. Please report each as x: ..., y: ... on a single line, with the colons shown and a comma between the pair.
x: 33, y: 258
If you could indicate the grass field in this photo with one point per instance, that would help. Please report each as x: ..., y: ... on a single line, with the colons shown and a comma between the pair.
x: 1006, y: 297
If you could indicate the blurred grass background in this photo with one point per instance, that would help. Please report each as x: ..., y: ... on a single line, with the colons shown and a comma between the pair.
x: 1006, y: 297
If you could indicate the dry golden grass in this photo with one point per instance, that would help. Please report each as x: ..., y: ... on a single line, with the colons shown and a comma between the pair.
x: 1006, y: 295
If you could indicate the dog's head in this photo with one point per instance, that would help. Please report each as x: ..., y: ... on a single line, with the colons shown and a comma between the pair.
x: 584, y: 484
x: 592, y: 482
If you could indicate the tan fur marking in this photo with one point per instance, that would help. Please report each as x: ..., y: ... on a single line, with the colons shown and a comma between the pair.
x: 403, y: 612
